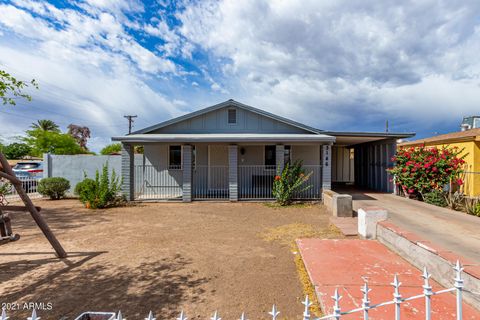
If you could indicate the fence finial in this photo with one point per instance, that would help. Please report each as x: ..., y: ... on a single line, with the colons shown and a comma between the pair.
x: 426, y: 284
x: 119, y: 316
x: 336, y: 307
x: 307, y: 304
x: 397, y: 297
x: 34, y: 315
x: 215, y: 316
x: 4, y: 314
x: 150, y: 316
x: 274, y: 313
x: 458, y: 288
x: 243, y: 316
x: 182, y: 316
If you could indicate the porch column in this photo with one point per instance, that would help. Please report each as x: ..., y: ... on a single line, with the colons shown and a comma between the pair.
x: 326, y: 167
x: 187, y: 173
x: 280, y: 156
x: 127, y: 171
x: 233, y: 172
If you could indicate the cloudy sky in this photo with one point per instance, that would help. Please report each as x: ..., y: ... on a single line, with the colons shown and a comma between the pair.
x: 336, y: 65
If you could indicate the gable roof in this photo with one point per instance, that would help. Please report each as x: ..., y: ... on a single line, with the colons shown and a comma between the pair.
x: 228, y: 103
x: 467, y: 135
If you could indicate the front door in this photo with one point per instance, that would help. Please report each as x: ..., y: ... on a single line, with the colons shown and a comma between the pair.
x: 218, y: 167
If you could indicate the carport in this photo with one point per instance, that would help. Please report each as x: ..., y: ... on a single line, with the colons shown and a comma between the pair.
x: 360, y: 159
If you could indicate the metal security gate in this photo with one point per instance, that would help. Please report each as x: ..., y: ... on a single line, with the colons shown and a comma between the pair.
x: 255, y: 182
x: 158, y: 183
x: 210, y: 182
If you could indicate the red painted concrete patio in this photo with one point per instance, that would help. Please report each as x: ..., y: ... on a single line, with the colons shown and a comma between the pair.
x: 345, y: 264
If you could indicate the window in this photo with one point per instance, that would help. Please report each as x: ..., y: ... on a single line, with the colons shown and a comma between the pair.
x: 270, y: 159
x: 232, y: 116
x: 175, y: 157
x: 287, y: 155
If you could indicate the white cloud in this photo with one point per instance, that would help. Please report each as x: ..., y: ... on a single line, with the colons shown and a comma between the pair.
x: 333, y: 63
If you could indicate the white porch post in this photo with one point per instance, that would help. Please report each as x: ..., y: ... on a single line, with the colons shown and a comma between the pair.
x: 326, y: 167
x: 280, y: 156
x: 187, y: 173
x: 233, y: 172
x: 127, y: 171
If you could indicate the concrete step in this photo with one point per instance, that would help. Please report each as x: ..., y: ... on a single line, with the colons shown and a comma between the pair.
x: 345, y: 264
x: 422, y: 253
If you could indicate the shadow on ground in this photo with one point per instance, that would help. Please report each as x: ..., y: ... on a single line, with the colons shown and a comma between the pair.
x: 81, y: 285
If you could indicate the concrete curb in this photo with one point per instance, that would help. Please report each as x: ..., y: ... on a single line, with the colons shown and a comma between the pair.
x: 422, y: 253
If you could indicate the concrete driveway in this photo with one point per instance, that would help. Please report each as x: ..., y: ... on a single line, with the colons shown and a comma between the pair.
x: 452, y: 230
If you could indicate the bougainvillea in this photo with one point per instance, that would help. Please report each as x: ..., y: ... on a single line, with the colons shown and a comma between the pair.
x: 423, y: 169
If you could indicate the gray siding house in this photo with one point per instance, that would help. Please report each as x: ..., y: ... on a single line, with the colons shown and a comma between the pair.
x: 233, y: 151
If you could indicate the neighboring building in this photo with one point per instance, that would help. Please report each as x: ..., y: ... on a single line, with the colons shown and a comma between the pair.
x: 469, y: 141
x: 233, y: 151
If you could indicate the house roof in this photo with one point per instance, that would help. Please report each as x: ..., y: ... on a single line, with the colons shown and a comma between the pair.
x: 224, y: 104
x: 225, y: 137
x: 468, y: 135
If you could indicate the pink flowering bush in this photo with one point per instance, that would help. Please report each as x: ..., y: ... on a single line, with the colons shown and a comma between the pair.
x: 425, y: 169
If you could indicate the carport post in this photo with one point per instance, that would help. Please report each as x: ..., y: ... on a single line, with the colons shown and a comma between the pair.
x: 326, y: 167
x: 187, y: 173
x: 233, y: 172
x: 127, y: 171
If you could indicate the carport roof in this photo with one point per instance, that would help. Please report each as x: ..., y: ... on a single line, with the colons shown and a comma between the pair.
x: 351, y: 138
x: 225, y: 137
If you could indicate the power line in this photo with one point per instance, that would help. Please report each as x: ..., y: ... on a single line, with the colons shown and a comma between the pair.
x: 130, y: 122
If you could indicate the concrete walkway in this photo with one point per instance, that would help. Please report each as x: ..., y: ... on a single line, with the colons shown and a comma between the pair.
x: 452, y: 230
x: 346, y: 264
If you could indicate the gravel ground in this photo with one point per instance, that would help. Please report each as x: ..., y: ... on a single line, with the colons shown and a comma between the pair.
x: 164, y: 257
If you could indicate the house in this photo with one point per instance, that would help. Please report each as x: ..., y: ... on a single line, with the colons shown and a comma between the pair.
x: 467, y: 140
x: 232, y: 151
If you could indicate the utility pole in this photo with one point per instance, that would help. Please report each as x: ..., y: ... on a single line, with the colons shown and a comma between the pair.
x: 130, y: 122
x: 386, y: 126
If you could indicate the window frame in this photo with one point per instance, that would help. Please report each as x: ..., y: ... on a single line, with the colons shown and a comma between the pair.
x: 228, y: 117
x: 274, y: 156
x: 170, y: 166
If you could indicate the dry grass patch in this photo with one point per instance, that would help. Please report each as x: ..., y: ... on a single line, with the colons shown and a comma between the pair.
x: 286, y: 236
x: 288, y: 233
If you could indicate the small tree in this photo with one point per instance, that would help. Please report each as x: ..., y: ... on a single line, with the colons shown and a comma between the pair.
x: 424, y: 169
x: 288, y: 181
x: 16, y: 150
x: 80, y: 134
x: 52, y: 142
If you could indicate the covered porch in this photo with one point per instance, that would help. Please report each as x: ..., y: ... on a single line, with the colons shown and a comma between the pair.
x: 222, y: 167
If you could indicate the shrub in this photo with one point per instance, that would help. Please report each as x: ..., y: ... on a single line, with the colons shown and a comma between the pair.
x: 472, y: 206
x: 290, y: 180
x: 101, y: 192
x: 54, y: 187
x: 422, y: 169
x: 435, y: 197
x: 111, y: 148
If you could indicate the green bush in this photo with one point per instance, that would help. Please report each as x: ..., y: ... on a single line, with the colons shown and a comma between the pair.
x: 54, y: 187
x: 290, y: 180
x: 472, y: 206
x: 435, y: 197
x: 101, y: 192
x: 111, y: 148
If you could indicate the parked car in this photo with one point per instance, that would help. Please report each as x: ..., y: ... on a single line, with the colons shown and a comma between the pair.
x: 29, y: 173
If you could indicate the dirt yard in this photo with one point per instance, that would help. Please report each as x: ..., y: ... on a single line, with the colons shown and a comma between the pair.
x: 164, y: 257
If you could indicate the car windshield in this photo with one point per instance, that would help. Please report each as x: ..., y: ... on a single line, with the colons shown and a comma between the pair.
x: 27, y: 165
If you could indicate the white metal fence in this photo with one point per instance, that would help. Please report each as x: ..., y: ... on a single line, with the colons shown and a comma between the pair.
x: 256, y: 182
x: 363, y: 311
x: 210, y: 182
x: 155, y: 182
x: 29, y: 185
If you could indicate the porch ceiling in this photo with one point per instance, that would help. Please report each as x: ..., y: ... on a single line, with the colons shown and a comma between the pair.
x: 225, y: 137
